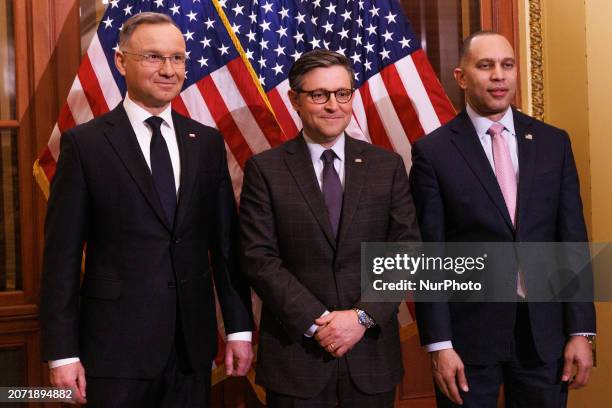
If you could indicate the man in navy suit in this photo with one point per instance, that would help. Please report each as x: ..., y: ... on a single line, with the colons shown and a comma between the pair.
x: 148, y: 191
x: 493, y: 174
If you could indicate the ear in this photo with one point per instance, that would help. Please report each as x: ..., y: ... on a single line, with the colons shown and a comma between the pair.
x: 294, y: 97
x: 460, y: 77
x: 120, y: 62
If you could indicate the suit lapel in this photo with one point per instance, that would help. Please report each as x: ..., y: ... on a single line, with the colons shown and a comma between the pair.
x: 300, y: 165
x: 354, y: 179
x: 123, y: 139
x: 189, y: 150
x: 527, y: 152
x: 467, y: 142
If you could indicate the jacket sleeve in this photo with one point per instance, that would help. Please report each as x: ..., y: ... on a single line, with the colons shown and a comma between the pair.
x: 403, y: 227
x: 66, y: 228
x: 433, y: 319
x: 231, y: 284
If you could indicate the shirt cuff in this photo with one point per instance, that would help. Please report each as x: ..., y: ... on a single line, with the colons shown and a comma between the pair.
x: 582, y: 334
x: 240, y: 336
x: 313, y: 329
x: 62, y: 362
x: 441, y: 345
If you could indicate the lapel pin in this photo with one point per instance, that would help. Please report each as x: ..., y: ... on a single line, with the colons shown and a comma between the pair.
x: 358, y: 161
x: 192, y: 135
x: 529, y: 136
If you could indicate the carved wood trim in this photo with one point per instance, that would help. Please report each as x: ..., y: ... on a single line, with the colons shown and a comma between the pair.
x: 536, y: 58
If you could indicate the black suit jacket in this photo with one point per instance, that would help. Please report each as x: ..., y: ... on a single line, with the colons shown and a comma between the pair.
x: 138, y: 269
x: 299, y: 270
x: 458, y: 199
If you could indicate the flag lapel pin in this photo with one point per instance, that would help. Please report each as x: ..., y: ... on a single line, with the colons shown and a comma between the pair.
x: 529, y: 136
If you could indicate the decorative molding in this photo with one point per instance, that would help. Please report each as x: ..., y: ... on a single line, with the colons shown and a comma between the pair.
x: 536, y: 58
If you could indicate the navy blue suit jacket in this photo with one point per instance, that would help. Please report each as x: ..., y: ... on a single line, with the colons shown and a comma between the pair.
x: 458, y: 199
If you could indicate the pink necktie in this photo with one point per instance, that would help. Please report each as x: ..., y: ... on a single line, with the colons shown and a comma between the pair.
x: 506, y: 177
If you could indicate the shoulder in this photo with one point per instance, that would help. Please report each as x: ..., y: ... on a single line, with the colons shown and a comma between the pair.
x: 534, y: 125
x: 195, y: 127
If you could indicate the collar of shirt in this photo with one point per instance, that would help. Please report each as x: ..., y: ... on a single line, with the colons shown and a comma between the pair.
x: 482, y: 125
x: 137, y: 116
x: 316, y: 150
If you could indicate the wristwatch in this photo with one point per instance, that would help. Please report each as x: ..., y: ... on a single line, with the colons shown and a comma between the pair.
x: 589, y: 337
x: 364, y: 319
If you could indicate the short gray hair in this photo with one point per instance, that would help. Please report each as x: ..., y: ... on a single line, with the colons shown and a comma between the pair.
x: 319, y: 58
x: 147, y: 17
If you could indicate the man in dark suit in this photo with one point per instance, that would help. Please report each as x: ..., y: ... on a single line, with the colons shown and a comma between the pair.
x: 148, y: 193
x: 493, y: 174
x: 305, y: 209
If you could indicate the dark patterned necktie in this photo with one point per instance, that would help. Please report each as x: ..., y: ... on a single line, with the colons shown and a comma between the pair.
x: 332, y: 189
x: 161, y: 169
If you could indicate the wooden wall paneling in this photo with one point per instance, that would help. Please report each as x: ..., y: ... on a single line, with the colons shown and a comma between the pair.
x: 502, y: 16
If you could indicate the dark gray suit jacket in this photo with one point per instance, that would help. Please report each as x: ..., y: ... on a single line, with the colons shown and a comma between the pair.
x: 299, y: 269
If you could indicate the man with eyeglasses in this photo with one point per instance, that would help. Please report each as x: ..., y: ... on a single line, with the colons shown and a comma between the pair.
x: 147, y: 192
x: 305, y: 209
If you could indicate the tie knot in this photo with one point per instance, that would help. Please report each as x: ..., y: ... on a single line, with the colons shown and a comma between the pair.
x: 155, y: 122
x: 328, y: 156
x: 496, y: 129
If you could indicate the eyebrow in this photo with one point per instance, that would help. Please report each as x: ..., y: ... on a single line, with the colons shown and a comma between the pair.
x: 492, y: 60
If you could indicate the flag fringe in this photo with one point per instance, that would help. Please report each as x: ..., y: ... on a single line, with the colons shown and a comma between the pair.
x: 41, y: 178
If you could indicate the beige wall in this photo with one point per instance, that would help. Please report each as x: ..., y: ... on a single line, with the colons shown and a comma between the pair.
x: 578, y: 88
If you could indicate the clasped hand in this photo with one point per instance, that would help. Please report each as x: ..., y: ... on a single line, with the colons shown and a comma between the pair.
x: 339, y: 331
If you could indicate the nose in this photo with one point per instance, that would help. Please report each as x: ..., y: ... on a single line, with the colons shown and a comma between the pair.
x: 498, y: 72
x: 167, y: 68
x: 332, y: 103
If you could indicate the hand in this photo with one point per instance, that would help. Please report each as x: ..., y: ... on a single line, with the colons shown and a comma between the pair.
x: 449, y: 372
x: 339, y: 331
x: 238, y: 357
x: 578, y: 352
x: 70, y: 376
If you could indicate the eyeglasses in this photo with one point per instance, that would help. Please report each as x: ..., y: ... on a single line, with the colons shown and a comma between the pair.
x: 321, y: 96
x: 156, y: 60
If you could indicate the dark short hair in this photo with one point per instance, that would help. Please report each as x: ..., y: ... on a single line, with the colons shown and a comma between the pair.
x: 147, y: 17
x: 319, y: 58
x: 465, y: 48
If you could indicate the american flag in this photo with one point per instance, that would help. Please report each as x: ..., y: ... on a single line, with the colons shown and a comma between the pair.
x: 239, y: 55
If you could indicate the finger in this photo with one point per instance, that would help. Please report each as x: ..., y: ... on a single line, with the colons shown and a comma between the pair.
x: 340, y: 351
x: 323, y: 331
x: 442, y: 385
x: 246, y: 362
x: 567, y: 369
x: 229, y: 361
x: 581, y: 378
x: 82, y: 383
x: 453, y: 391
x: 462, y: 380
x: 78, y: 397
x: 325, y: 319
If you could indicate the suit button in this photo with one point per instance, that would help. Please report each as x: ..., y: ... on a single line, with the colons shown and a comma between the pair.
x: 177, y: 240
x: 172, y: 285
x: 183, y: 281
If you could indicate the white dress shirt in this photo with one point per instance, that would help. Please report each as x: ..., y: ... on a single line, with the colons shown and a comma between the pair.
x: 482, y: 125
x: 137, y: 117
x: 316, y: 150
